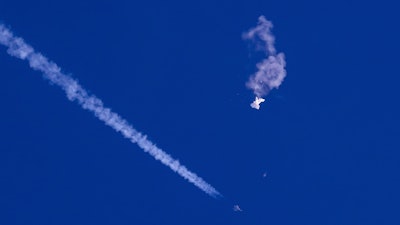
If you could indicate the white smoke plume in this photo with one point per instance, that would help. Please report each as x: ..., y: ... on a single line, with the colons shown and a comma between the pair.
x: 271, y: 71
x: 75, y: 92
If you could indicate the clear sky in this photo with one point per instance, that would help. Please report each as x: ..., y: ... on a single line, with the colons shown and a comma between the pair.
x: 327, y: 139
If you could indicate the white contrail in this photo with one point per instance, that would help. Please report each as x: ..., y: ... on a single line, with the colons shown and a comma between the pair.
x: 271, y: 71
x: 75, y: 92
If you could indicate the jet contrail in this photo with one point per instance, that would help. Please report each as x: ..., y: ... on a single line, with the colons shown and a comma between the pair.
x: 75, y: 92
x: 271, y: 71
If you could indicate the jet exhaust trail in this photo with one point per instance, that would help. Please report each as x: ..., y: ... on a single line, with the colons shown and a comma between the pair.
x: 271, y: 71
x: 75, y: 92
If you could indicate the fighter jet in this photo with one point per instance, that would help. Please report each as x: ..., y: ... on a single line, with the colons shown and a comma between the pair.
x: 256, y: 103
x: 236, y: 208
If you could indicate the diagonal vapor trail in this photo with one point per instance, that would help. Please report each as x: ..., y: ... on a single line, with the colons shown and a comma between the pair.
x: 75, y: 92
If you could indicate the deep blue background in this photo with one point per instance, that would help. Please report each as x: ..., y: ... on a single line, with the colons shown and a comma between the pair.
x: 328, y: 138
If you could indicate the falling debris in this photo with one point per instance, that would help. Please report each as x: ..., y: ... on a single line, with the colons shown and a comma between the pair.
x: 236, y: 208
x: 271, y: 70
x: 264, y: 175
x: 257, y: 102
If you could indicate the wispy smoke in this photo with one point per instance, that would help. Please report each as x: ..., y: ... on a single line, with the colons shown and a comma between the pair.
x: 75, y: 92
x: 271, y: 71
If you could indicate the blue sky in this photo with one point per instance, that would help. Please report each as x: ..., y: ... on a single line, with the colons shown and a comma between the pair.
x: 176, y: 70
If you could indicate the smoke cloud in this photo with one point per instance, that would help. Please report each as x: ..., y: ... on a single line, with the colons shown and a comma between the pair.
x: 75, y: 92
x: 271, y: 70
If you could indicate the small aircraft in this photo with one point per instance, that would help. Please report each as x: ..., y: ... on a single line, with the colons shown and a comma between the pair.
x: 236, y: 208
x: 256, y: 103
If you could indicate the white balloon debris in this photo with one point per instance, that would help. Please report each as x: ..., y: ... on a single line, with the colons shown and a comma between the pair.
x: 271, y: 70
x: 257, y: 102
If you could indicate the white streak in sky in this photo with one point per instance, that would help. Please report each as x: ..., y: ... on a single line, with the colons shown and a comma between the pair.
x: 271, y: 71
x: 75, y: 92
